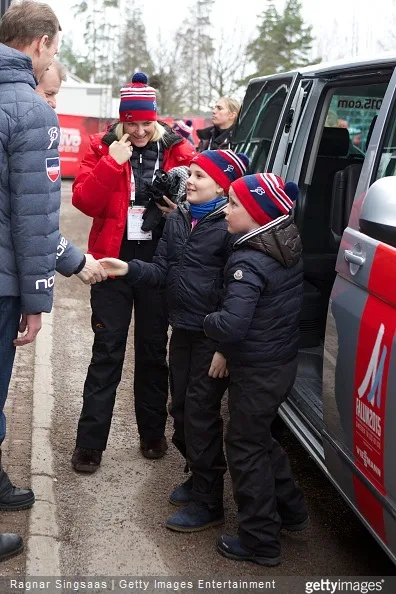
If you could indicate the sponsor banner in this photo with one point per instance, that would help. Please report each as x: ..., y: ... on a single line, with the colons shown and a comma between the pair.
x: 76, y: 130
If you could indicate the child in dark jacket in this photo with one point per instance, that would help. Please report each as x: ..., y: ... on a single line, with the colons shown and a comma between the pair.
x: 189, y: 261
x: 257, y: 327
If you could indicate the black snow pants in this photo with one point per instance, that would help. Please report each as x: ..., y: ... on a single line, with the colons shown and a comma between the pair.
x: 195, y: 409
x: 112, y: 302
x: 264, y: 489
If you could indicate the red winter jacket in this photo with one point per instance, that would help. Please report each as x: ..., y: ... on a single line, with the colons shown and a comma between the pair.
x: 102, y: 190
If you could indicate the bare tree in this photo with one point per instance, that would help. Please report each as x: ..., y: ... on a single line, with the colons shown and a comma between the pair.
x: 226, y: 69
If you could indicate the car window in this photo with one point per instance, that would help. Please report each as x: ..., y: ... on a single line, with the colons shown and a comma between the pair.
x: 355, y: 108
x: 387, y: 161
x: 261, y: 109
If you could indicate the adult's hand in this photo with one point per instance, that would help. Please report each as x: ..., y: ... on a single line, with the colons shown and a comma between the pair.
x: 114, y: 267
x: 166, y: 210
x: 31, y: 323
x: 92, y: 272
x: 218, y: 367
x: 121, y: 150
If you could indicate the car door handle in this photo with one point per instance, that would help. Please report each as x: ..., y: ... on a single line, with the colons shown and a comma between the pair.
x: 353, y: 258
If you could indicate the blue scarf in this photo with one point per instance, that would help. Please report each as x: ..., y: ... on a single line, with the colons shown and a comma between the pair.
x: 200, y: 210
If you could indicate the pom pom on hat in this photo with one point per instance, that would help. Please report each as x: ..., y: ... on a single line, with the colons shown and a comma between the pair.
x: 140, y: 77
x: 224, y: 166
x: 265, y: 196
x: 138, y: 101
x: 292, y: 190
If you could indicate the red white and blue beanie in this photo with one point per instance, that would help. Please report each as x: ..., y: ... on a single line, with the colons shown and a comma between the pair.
x: 183, y: 128
x: 138, y: 101
x: 265, y: 196
x: 224, y: 166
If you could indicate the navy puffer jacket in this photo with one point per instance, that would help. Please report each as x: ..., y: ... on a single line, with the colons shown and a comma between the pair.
x: 190, y: 263
x: 257, y: 325
x: 31, y: 246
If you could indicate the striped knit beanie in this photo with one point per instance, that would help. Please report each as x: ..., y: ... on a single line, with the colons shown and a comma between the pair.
x: 224, y: 166
x: 183, y: 128
x: 265, y: 196
x: 138, y: 101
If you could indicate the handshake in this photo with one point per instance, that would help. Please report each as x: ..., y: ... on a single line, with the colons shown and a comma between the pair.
x: 93, y: 272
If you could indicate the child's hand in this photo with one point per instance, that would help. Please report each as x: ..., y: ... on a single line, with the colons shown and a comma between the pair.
x: 218, y: 367
x: 114, y: 267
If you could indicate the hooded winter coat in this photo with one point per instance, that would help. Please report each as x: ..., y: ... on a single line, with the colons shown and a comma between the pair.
x: 31, y: 246
x: 102, y: 188
x: 212, y: 138
x: 257, y: 325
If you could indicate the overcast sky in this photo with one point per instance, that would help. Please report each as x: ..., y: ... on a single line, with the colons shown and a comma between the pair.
x: 342, y: 27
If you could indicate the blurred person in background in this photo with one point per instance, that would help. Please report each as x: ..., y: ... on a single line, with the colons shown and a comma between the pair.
x: 224, y: 117
x: 113, y: 187
x: 185, y: 129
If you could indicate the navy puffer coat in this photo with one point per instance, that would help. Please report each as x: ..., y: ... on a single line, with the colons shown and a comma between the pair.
x: 190, y: 263
x: 31, y: 246
x: 257, y: 325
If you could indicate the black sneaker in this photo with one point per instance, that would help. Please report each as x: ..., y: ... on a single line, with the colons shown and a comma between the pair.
x: 86, y: 459
x: 12, y: 498
x: 153, y: 450
x: 232, y: 548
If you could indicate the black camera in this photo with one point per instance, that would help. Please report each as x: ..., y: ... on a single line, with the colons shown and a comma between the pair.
x: 171, y: 184
x: 163, y: 185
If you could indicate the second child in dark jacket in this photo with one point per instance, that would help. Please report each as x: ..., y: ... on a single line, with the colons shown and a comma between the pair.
x: 257, y: 326
x: 189, y: 261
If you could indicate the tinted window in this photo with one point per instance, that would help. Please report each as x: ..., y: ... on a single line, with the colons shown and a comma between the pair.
x: 355, y: 108
x: 262, y: 106
x: 387, y: 161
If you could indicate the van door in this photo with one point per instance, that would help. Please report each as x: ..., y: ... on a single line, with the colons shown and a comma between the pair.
x: 359, y: 379
x: 266, y: 120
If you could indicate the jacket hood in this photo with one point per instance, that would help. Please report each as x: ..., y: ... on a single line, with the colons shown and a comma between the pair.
x: 279, y: 239
x: 169, y: 139
x: 15, y: 67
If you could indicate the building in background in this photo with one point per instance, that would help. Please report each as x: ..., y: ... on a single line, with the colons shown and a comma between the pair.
x: 83, y: 109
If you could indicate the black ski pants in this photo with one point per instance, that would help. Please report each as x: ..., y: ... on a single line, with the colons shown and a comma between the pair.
x: 263, y: 486
x: 195, y: 409
x: 112, y: 302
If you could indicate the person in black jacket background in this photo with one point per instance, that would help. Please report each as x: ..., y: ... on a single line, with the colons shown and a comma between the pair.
x: 224, y: 117
x: 190, y: 260
x: 257, y: 328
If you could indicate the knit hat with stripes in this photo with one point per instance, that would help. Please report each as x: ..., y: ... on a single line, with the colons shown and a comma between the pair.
x: 224, y: 166
x: 138, y: 101
x: 183, y: 128
x: 265, y: 196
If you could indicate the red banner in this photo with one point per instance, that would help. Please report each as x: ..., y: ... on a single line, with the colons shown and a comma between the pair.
x: 75, y: 132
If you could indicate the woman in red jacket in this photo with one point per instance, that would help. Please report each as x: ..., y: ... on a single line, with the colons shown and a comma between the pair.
x: 111, y: 187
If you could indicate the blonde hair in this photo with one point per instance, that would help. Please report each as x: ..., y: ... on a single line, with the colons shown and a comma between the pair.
x: 159, y: 131
x: 231, y: 104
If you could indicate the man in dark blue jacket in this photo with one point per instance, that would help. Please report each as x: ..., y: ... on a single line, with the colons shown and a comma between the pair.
x: 257, y: 328
x: 31, y: 246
